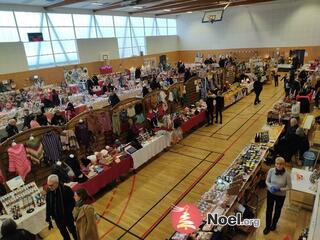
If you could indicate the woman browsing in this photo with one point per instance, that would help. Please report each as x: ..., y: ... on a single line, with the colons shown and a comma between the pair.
x: 84, y: 216
x: 278, y: 183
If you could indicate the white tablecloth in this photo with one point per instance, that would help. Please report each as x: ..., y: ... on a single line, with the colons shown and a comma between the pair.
x: 302, y: 185
x: 150, y: 149
x: 33, y: 222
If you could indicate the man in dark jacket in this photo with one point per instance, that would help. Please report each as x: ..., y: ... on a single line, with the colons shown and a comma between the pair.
x: 26, y: 119
x: 210, y: 107
x: 60, y: 204
x: 11, y: 128
x: 257, y: 87
x: 219, y: 106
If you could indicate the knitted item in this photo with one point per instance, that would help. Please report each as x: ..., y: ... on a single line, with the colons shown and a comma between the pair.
x: 34, y: 150
x: 69, y: 140
x: 18, y: 161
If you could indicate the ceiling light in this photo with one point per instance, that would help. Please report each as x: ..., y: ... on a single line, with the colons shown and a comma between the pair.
x: 167, y: 10
x: 189, y: 12
x: 137, y: 7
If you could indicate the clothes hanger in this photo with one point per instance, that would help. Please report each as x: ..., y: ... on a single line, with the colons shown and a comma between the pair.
x: 31, y: 137
x: 13, y: 143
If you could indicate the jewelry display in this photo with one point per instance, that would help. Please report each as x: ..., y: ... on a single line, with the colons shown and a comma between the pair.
x: 22, y: 200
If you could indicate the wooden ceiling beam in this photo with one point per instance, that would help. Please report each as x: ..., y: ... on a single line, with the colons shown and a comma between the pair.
x: 63, y: 3
x: 187, y: 9
x: 246, y: 2
x: 177, y: 6
x: 121, y: 4
x: 171, y: 3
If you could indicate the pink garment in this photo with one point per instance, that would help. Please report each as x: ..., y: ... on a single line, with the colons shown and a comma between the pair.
x: 18, y: 161
x: 34, y: 124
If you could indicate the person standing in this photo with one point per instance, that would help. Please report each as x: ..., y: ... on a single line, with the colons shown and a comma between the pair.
x: 276, y: 78
x: 219, y: 106
x: 60, y: 204
x: 278, y: 183
x: 11, y: 128
x: 84, y: 216
x: 257, y: 87
x: 210, y: 101
x: 286, y: 84
x: 317, y: 93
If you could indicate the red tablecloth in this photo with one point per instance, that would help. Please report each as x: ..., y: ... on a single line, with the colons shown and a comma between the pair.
x: 98, y: 92
x: 309, y: 97
x: 109, y: 174
x: 193, y: 122
x: 79, y: 109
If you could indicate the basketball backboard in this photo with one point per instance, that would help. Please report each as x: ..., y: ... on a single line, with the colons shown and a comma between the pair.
x: 212, y: 16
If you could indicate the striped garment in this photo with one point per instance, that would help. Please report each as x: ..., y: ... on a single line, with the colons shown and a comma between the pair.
x: 18, y: 161
x: 52, y: 147
x: 34, y: 150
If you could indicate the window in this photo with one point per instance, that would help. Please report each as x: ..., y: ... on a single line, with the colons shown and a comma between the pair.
x: 138, y: 32
x: 85, y: 32
x: 104, y: 21
x: 105, y: 32
x: 64, y: 46
x: 125, y: 52
x: 31, y: 19
x: 104, y: 26
x: 172, y: 23
x: 37, y: 48
x: 172, y: 26
x: 124, y: 42
x: 84, y: 26
x: 25, y: 30
x: 7, y: 19
x: 136, y: 21
x: 120, y: 21
x: 61, y: 30
x: 60, y: 20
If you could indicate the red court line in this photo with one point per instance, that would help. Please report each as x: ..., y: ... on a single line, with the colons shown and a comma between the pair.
x: 105, y: 211
x: 124, y: 209
x: 196, y: 181
x: 168, y: 210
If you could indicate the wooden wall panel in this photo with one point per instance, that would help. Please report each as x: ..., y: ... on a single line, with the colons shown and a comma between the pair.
x: 246, y: 53
x: 55, y: 75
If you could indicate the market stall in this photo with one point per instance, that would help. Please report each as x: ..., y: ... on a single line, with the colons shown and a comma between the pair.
x: 192, y: 94
x: 106, y: 175
x: 234, y: 94
x: 26, y: 205
x: 150, y: 148
x: 36, y: 152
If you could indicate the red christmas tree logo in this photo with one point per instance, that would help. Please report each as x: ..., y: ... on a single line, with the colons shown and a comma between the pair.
x: 186, y: 218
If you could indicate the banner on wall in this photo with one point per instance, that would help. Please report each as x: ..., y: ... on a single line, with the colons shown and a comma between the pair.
x: 76, y: 75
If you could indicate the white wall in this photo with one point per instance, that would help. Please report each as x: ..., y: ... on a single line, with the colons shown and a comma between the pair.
x: 161, y: 44
x: 282, y: 23
x: 90, y: 49
x: 12, y: 58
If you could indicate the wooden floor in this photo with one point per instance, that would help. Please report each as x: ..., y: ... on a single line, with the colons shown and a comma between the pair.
x: 138, y: 207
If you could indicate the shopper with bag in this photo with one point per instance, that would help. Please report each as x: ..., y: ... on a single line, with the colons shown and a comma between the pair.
x: 84, y: 216
x: 278, y: 183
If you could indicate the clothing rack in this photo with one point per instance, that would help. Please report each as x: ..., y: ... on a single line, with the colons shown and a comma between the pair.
x: 37, y: 174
